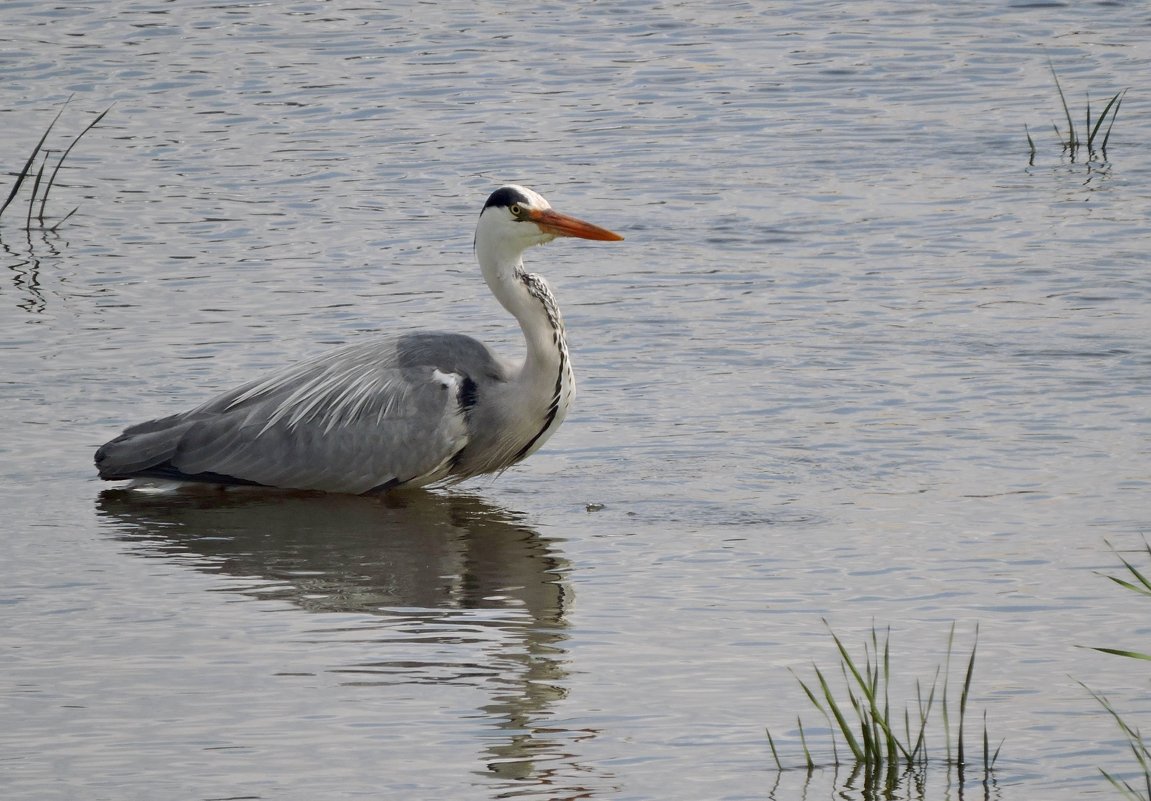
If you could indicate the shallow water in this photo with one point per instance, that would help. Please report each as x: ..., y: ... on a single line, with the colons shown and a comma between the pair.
x: 856, y: 360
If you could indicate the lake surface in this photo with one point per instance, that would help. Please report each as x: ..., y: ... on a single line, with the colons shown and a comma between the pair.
x: 860, y: 358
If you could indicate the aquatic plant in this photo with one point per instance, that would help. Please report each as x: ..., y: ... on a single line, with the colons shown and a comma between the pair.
x: 1139, y: 749
x: 1135, y: 581
x: 1071, y: 141
x: 886, y: 746
x: 39, y: 196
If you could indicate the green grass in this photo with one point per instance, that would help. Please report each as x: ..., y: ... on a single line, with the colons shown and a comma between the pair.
x: 42, y: 179
x: 1071, y: 140
x: 1139, y: 749
x: 883, y: 745
x: 1137, y: 581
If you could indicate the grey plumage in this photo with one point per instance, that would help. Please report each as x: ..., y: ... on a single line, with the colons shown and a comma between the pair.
x: 361, y: 418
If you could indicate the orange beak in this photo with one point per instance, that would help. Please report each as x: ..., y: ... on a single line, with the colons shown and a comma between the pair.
x: 562, y: 225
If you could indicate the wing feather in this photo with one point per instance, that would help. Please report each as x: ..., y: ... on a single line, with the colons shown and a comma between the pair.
x: 382, y: 413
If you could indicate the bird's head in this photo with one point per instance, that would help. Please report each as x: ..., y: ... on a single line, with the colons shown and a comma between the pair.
x: 516, y: 218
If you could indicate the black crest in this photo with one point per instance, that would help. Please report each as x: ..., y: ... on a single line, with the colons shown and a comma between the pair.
x: 506, y: 196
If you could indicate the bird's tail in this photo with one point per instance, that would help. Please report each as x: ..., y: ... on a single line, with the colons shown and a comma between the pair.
x: 140, y: 448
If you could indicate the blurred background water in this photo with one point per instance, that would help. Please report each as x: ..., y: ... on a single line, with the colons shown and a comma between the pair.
x: 860, y: 358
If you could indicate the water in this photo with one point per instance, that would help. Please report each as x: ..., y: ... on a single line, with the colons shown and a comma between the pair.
x: 857, y: 360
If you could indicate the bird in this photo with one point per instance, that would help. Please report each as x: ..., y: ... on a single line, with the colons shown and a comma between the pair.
x: 393, y: 411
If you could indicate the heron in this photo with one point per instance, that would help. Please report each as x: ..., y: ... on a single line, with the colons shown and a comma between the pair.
x: 407, y: 410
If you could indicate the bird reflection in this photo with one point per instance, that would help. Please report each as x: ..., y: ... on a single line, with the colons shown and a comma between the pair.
x: 436, y: 569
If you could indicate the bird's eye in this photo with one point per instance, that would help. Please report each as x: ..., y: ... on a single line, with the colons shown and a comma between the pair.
x: 516, y: 209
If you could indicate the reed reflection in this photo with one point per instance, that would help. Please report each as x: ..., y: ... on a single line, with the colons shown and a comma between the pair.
x: 23, y: 271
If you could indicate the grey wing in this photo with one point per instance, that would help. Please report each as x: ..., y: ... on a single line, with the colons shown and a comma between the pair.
x: 367, y: 417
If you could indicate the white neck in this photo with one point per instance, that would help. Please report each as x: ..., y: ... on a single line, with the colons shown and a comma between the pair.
x: 539, y: 319
x: 536, y: 397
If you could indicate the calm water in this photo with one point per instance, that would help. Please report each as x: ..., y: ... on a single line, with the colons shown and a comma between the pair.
x: 857, y: 360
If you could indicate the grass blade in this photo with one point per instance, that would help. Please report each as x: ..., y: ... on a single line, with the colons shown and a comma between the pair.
x: 1128, y: 585
x: 1103, y: 147
x: 32, y: 158
x: 1144, y: 585
x: 64, y: 219
x: 986, y: 746
x: 774, y: 753
x: 1072, y: 141
x: 803, y: 740
x: 68, y: 150
x: 840, y: 719
x: 810, y: 695
x: 35, y: 189
x: 892, y: 740
x: 1088, y: 125
x: 873, y: 720
x: 1099, y: 122
x: 1120, y: 652
x: 924, y: 712
x: 849, y: 663
x: 946, y: 682
x: 830, y: 725
x: 1125, y: 789
x: 964, y: 695
x: 1135, y: 741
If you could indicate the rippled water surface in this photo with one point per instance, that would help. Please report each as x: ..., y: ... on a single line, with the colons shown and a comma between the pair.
x: 859, y: 358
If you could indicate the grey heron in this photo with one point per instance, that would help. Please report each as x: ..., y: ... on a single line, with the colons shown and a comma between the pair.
x: 394, y: 411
